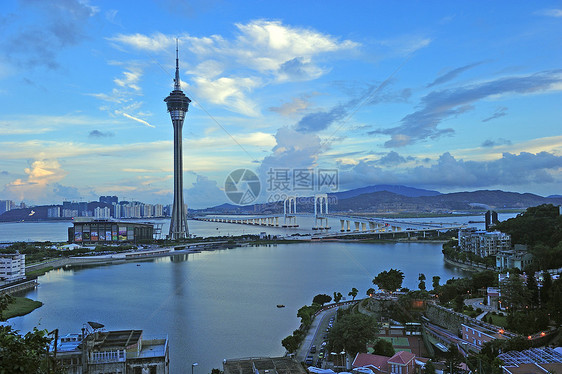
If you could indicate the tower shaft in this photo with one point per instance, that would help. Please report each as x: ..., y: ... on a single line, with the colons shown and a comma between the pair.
x: 178, y: 105
x: 178, y: 223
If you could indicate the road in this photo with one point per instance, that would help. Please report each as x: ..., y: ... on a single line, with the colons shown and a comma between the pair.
x: 316, y: 335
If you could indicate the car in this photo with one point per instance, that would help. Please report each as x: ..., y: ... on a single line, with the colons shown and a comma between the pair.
x: 321, y: 355
x: 313, y: 349
x: 309, y: 360
x: 324, y: 343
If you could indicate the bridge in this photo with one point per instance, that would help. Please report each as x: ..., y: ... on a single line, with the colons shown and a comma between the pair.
x: 349, y: 224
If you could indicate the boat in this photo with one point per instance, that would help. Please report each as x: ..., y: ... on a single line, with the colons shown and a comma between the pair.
x: 280, y: 306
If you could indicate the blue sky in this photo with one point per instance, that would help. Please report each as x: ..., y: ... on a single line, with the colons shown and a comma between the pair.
x: 452, y: 96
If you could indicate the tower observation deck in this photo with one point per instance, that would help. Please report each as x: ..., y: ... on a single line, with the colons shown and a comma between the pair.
x: 178, y: 105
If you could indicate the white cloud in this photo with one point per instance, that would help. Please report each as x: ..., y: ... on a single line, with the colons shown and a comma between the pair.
x: 40, y: 174
x: 130, y: 79
x: 263, y: 52
x: 40, y: 124
x: 407, y: 44
x: 204, y: 193
x: 156, y: 42
x: 294, y: 107
x: 135, y: 118
x: 230, y: 93
x: 550, y: 12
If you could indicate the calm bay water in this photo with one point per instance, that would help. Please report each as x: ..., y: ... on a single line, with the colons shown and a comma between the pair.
x: 221, y: 304
x: 58, y: 231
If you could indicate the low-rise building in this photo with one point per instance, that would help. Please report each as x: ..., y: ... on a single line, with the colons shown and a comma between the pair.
x: 263, y: 365
x: 402, y: 362
x: 518, y: 257
x: 12, y: 267
x: 479, y: 335
x: 531, y: 361
x: 493, y: 295
x: 119, y: 352
x: 91, y: 231
x: 483, y: 243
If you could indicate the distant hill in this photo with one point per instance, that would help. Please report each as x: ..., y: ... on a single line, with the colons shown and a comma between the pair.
x: 386, y: 201
x: 554, y: 197
x: 36, y: 213
x: 378, y: 199
x: 397, y: 189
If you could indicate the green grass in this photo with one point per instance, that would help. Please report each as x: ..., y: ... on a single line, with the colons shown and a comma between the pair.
x: 20, y: 307
x: 397, y: 341
x: 497, y: 320
x: 38, y: 272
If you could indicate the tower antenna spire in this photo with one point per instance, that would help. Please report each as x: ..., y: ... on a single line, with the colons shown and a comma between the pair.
x: 177, y: 85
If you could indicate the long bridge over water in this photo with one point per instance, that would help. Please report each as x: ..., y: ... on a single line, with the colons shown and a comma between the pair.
x: 349, y: 224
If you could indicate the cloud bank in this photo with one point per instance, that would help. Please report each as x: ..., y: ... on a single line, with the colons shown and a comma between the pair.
x: 438, y: 106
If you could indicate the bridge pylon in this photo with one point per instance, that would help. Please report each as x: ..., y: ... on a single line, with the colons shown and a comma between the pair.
x: 320, y: 210
x: 289, y: 212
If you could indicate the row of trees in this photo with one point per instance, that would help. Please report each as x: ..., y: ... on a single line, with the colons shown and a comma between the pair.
x: 540, y: 228
x: 24, y: 353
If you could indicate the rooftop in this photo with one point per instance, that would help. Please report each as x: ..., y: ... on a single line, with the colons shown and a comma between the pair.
x: 263, y: 365
x: 531, y: 356
x: 402, y: 358
x: 367, y: 359
x: 125, y: 339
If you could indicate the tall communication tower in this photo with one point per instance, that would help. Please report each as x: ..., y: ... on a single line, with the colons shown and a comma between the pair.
x: 178, y: 105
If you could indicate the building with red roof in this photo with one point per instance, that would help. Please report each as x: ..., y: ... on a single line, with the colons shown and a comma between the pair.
x: 401, y: 363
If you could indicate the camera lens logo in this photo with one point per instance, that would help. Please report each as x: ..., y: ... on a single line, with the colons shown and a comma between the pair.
x: 242, y: 186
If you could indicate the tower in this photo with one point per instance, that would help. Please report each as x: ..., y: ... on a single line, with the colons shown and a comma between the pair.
x: 178, y: 105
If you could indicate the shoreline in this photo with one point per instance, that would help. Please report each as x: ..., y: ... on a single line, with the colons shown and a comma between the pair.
x: 464, y: 266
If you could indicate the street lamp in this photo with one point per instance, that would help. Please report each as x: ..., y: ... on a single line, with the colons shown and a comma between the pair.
x: 193, y: 365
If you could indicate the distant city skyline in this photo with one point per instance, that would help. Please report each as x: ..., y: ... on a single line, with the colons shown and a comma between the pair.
x: 448, y: 96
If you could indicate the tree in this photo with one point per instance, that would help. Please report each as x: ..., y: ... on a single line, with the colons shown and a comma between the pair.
x: 370, y: 292
x: 305, y: 313
x: 337, y: 297
x: 23, y: 353
x: 459, y: 303
x: 291, y: 343
x: 5, y: 300
x: 429, y: 368
x: 436, y: 280
x: 421, y: 278
x: 352, y: 332
x: 514, y: 293
x: 453, y: 360
x: 321, y: 299
x: 383, y: 347
x: 353, y: 293
x: 483, y: 279
x: 546, y: 286
x: 533, y: 291
x: 389, y: 280
x: 555, y: 303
